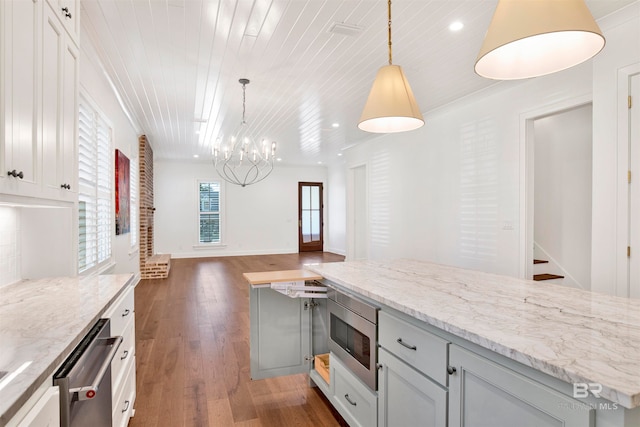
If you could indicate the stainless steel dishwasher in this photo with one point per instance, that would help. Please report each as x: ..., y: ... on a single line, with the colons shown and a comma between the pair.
x: 85, y: 379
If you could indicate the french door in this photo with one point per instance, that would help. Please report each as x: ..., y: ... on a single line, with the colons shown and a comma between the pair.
x: 310, y: 220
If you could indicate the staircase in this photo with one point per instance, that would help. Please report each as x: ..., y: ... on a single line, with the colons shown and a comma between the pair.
x: 544, y: 276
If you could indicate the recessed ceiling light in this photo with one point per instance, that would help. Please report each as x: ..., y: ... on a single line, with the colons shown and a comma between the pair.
x: 319, y: 163
x: 456, y: 26
x: 339, y: 154
x: 335, y: 125
x: 279, y: 159
x: 195, y: 156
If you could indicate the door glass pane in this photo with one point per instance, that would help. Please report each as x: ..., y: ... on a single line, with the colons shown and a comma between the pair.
x: 306, y: 227
x: 315, y: 197
x: 315, y: 225
x: 306, y: 197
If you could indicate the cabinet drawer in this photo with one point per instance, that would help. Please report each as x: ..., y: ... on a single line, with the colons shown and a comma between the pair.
x: 120, y: 312
x: 422, y: 350
x: 353, y: 400
x: 125, y: 398
x: 123, y: 358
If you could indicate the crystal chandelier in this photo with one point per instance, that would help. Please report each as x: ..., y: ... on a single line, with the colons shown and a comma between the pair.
x: 241, y: 160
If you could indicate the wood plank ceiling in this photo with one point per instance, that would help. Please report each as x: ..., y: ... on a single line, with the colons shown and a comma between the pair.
x: 176, y: 65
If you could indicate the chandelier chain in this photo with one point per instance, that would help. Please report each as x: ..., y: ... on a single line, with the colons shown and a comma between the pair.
x: 389, y: 28
x: 244, y: 101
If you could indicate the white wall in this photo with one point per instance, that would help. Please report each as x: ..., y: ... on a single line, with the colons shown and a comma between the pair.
x: 562, y: 204
x: 335, y: 223
x: 456, y: 184
x: 258, y: 219
x: 10, y: 247
x: 94, y: 83
x: 622, y: 49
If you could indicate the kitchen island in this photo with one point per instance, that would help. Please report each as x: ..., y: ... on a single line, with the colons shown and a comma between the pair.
x: 558, y: 336
x: 41, y: 322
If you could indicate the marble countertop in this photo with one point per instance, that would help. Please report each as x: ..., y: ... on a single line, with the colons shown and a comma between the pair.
x: 41, y: 322
x: 570, y: 334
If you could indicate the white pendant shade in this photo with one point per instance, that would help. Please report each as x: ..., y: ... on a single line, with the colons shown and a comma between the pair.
x: 391, y: 106
x: 530, y: 38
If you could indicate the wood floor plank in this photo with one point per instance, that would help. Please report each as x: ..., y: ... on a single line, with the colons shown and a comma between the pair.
x: 192, y: 351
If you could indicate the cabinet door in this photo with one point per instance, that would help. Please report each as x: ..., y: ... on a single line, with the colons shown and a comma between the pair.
x: 52, y: 48
x: 20, y: 23
x: 483, y: 393
x: 46, y: 411
x: 59, y: 109
x: 407, y: 398
x: 68, y: 150
x: 68, y: 12
x: 280, y: 334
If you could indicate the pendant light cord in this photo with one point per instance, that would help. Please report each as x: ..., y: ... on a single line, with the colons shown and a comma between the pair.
x: 389, y: 26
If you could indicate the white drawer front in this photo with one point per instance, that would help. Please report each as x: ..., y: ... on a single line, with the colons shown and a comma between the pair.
x: 123, y: 358
x: 417, y: 347
x: 121, y: 312
x: 126, y: 396
x: 353, y: 400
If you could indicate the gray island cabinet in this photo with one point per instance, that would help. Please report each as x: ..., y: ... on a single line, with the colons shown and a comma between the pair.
x: 461, y: 348
x: 467, y: 348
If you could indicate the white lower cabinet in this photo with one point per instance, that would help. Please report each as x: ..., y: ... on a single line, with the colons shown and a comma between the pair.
x: 483, y: 393
x: 123, y: 403
x: 123, y: 365
x: 43, y: 411
x: 352, y: 399
x: 406, y: 397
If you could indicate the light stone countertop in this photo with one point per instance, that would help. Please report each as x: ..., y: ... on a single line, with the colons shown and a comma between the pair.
x: 570, y: 334
x: 41, y: 322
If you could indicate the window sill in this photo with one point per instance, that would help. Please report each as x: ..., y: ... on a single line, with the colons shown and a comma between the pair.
x: 207, y: 246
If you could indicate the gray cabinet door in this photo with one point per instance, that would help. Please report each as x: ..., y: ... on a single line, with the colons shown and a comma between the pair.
x: 483, y: 393
x: 280, y: 334
x: 406, y: 397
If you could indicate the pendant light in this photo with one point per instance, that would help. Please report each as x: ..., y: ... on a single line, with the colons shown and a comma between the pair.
x: 391, y: 106
x: 530, y: 38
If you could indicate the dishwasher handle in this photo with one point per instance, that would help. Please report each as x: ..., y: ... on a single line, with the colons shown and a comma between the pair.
x: 89, y: 392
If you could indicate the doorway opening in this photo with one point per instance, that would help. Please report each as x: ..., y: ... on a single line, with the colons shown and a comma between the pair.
x: 562, y: 197
x: 310, y: 218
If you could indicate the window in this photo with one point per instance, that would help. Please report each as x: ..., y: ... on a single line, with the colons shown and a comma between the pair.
x: 94, y: 188
x: 209, y: 212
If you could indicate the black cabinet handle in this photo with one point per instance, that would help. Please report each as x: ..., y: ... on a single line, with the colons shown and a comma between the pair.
x: 126, y: 406
x: 66, y: 186
x: 66, y: 12
x: 124, y: 354
x: 14, y: 173
x: 404, y: 344
x: 126, y: 313
x: 346, y: 396
x: 451, y: 370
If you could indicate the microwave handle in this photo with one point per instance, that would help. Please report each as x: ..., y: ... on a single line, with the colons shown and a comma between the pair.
x: 90, y: 391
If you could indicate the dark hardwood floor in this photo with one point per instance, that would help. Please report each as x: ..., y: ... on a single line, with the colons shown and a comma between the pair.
x: 192, y: 349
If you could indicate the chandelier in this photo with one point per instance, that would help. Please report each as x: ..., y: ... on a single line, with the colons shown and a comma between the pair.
x: 241, y: 160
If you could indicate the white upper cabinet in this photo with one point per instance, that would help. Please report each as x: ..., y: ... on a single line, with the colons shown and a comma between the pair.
x: 68, y: 12
x: 19, y: 29
x: 39, y: 99
x: 59, y: 109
